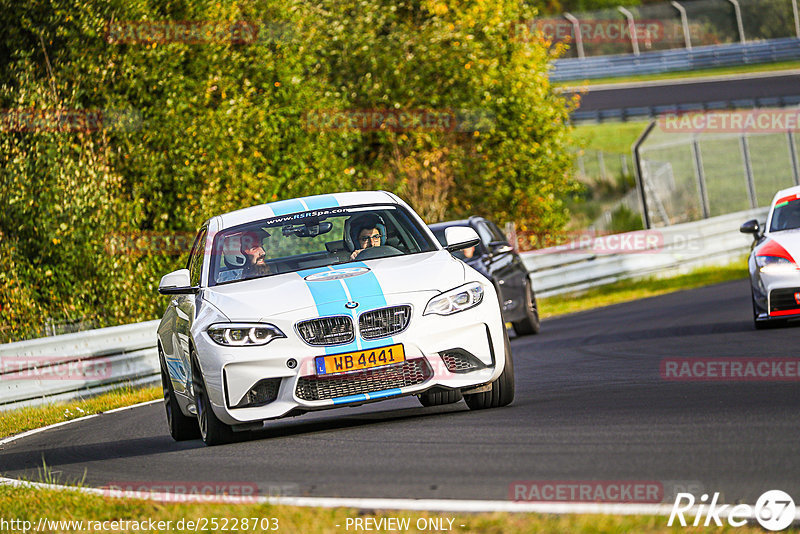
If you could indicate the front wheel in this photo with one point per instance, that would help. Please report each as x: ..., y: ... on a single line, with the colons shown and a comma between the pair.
x: 502, y: 392
x: 439, y: 397
x: 181, y: 427
x: 530, y: 323
x: 212, y: 430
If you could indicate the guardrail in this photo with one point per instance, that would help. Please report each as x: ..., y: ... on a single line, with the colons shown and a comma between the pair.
x: 87, y: 363
x: 701, y: 57
x: 592, y: 262
x: 74, y: 365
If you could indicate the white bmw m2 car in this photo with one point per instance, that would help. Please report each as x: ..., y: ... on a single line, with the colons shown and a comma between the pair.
x: 774, y: 272
x: 322, y: 302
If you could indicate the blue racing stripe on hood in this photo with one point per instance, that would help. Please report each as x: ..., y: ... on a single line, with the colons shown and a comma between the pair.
x: 366, y: 290
x: 331, y: 295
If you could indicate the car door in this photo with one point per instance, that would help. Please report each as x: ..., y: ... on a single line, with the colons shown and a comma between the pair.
x: 503, y: 268
x: 186, y: 307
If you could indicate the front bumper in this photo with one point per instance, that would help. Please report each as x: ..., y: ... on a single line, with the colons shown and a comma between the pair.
x: 776, y: 296
x: 230, y: 372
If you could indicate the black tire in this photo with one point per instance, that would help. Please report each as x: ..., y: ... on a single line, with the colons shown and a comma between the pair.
x: 181, y: 427
x: 760, y: 325
x: 502, y: 392
x: 439, y: 397
x: 530, y: 323
x: 212, y: 430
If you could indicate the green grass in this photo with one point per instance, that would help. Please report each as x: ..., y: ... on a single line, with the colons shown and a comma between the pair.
x: 738, y: 69
x: 616, y: 137
x: 18, y: 421
x: 28, y: 504
x: 628, y: 290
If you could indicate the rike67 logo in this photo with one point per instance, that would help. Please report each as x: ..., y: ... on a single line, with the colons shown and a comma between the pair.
x: 774, y: 510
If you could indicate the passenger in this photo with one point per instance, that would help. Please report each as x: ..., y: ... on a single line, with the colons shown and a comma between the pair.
x: 252, y: 246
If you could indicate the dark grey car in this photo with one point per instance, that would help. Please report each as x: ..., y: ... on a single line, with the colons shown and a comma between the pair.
x: 495, y: 258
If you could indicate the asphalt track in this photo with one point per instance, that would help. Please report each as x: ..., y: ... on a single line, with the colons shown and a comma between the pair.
x: 687, y: 92
x: 590, y: 405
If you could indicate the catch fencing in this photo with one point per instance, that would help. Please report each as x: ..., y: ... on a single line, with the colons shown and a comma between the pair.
x: 690, y: 173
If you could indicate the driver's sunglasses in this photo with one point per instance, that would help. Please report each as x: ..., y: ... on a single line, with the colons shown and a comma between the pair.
x: 371, y: 237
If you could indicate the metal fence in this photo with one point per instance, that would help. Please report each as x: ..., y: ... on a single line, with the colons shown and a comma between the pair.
x: 687, y: 176
x: 76, y: 365
x: 599, y: 164
x: 671, y: 25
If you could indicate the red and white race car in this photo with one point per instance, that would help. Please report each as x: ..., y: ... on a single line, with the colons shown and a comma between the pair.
x: 774, y: 274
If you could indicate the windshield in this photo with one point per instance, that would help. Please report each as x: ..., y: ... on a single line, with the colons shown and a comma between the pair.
x: 312, y: 239
x: 786, y: 215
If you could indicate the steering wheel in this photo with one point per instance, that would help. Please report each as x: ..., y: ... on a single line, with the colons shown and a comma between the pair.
x: 377, y: 252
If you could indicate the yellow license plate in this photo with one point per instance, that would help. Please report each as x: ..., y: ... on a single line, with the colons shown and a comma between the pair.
x: 364, y: 359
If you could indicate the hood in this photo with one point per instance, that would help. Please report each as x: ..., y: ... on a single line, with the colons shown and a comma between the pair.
x: 788, y: 239
x: 368, y: 282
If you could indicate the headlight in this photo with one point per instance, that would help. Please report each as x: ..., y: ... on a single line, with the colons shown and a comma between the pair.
x: 243, y: 334
x: 775, y: 265
x: 456, y: 300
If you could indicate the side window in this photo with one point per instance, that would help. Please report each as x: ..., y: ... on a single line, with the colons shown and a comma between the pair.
x: 497, y: 234
x: 196, y: 257
x: 485, y: 234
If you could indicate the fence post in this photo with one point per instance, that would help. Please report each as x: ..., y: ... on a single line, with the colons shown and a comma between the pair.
x: 687, y: 37
x: 701, y: 177
x: 601, y: 161
x: 738, y: 12
x: 581, y: 165
x: 748, y: 170
x: 631, y: 28
x: 637, y: 167
x: 796, y: 19
x: 793, y: 157
x: 576, y: 27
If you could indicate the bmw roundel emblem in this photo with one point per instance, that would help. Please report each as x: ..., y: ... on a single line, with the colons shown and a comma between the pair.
x: 336, y: 274
x: 351, y: 305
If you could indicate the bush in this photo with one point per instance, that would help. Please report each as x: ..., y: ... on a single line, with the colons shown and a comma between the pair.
x: 192, y: 130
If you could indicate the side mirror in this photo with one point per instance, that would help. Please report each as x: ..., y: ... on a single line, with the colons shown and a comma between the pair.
x: 176, y: 283
x: 499, y: 247
x: 460, y: 237
x: 751, y: 227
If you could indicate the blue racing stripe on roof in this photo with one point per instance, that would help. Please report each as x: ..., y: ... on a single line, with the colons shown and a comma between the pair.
x: 285, y: 207
x: 321, y: 202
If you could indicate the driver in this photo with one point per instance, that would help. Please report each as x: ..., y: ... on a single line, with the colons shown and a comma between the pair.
x: 254, y: 255
x: 366, y: 234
